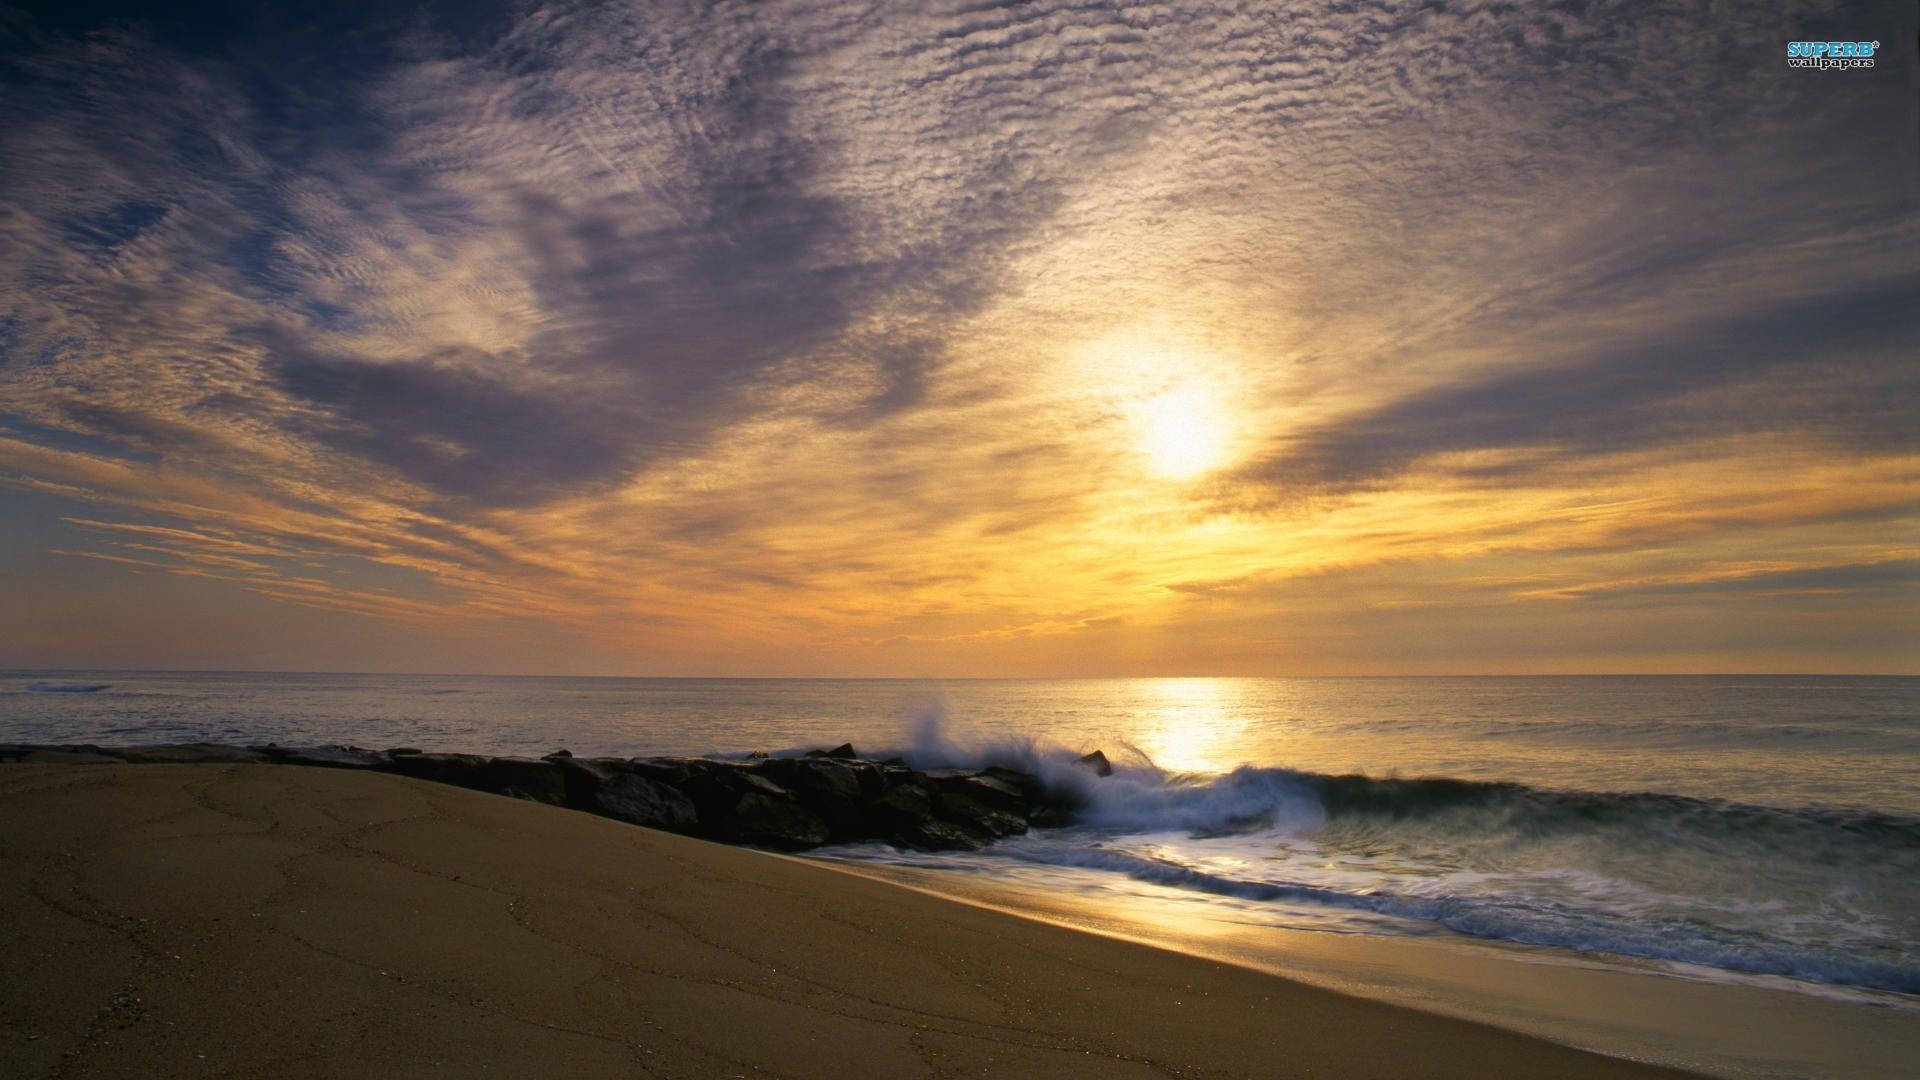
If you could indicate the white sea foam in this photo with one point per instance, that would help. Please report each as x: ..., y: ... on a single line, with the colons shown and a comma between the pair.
x: 1783, y: 838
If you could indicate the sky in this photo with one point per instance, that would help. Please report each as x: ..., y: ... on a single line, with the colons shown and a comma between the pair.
x: 959, y: 339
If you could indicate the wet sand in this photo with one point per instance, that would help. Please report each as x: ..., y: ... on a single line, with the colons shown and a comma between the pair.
x: 254, y: 920
x: 1696, y: 1019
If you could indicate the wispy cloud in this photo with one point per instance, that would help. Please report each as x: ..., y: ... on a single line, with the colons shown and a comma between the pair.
x: 762, y: 334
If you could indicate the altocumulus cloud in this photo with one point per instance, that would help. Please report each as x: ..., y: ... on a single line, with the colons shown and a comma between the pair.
x: 538, y: 302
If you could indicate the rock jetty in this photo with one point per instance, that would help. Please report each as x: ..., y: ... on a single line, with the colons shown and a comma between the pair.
x: 784, y: 803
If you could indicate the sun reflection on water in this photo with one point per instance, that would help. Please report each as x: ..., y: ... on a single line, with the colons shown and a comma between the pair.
x: 1193, y: 725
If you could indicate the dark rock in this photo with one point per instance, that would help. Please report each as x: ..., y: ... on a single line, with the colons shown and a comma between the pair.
x: 540, y: 781
x: 786, y: 803
x: 750, y: 784
x: 936, y: 835
x: 585, y: 775
x: 638, y: 800
x: 781, y: 770
x: 832, y: 790
x: 460, y: 770
x: 966, y: 811
x: 330, y: 757
x: 1051, y: 816
x: 870, y: 776
x: 774, y: 822
x: 892, y: 776
x: 1097, y: 761
x: 581, y: 780
x: 186, y: 754
x: 826, y: 779
x: 977, y: 785
x: 717, y: 792
x: 668, y: 770
x: 1027, y: 784
x: 903, y: 807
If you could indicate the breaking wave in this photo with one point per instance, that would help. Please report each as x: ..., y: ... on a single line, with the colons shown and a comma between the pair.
x: 1813, y: 893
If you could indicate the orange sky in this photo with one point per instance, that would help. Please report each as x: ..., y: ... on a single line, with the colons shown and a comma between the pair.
x: 1098, y: 340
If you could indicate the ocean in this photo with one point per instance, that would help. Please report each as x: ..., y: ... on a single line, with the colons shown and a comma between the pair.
x: 1740, y: 828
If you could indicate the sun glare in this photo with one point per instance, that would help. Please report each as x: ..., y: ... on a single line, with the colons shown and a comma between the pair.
x: 1182, y: 434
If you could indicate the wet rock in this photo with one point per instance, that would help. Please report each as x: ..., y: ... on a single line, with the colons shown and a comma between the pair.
x: 827, y: 780
x: 831, y: 789
x: 1027, y: 784
x: 579, y: 778
x: 668, y: 770
x: 903, y: 807
x: 540, y: 781
x: 870, y: 776
x: 330, y: 757
x: 638, y: 800
x: 1097, y: 761
x: 976, y: 816
x: 787, y: 803
x: 774, y: 822
x: 187, y: 754
x: 460, y: 770
x: 936, y: 835
x: 563, y: 752
x: 892, y: 776
x: 977, y: 785
x: 717, y: 792
x: 781, y: 770
x: 1051, y: 816
x: 582, y: 778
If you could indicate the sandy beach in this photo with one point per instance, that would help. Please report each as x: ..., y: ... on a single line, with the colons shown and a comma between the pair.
x: 206, y: 920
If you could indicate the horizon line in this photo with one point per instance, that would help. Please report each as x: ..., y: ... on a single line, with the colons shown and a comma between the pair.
x: 972, y: 678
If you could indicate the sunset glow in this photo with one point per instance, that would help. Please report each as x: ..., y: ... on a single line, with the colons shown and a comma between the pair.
x: 1183, y: 435
x: 1122, y: 340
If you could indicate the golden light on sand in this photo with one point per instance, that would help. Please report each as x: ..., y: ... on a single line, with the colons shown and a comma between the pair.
x: 1182, y: 434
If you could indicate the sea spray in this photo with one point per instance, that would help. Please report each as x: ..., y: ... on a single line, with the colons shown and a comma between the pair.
x: 1756, y: 823
x: 1806, y: 893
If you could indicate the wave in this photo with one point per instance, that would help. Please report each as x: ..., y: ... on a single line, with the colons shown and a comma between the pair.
x: 67, y: 688
x: 1810, y: 893
x: 1549, y: 809
x: 1529, y: 920
x: 1141, y: 797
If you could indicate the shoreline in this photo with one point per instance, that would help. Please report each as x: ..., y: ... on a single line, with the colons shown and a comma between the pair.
x: 186, y: 920
x: 1713, y: 1025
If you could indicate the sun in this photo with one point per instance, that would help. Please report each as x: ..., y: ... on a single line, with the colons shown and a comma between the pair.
x: 1182, y: 434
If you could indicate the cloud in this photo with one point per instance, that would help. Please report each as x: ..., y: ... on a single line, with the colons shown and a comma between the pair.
x: 1881, y: 580
x: 1705, y: 380
x: 792, y: 327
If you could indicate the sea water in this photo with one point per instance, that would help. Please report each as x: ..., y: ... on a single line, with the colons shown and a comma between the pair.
x: 1737, y: 827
